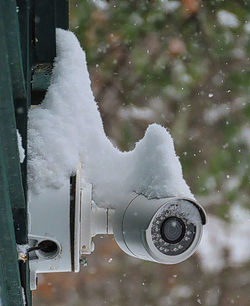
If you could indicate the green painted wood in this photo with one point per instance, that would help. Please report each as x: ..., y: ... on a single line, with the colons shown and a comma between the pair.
x: 11, y: 28
x: 27, y: 44
x: 25, y: 17
x: 11, y: 290
x: 62, y: 14
x: 49, y: 15
x: 45, y: 47
x: 13, y: 213
x: 8, y: 127
x: 3, y: 288
x: 22, y: 105
x: 45, y: 37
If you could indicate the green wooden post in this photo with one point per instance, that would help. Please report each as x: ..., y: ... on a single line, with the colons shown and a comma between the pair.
x: 11, y: 189
x: 10, y: 282
x: 27, y: 49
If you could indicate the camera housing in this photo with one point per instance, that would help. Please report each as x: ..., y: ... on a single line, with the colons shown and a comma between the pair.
x: 164, y: 230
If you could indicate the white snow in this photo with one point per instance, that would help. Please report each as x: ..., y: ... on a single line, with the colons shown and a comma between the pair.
x: 22, y: 248
x: 220, y: 111
x: 247, y: 27
x: 23, y: 296
x: 100, y: 4
x: 151, y: 113
x: 227, y: 19
x: 139, y: 113
x: 220, y: 236
x: 170, y: 6
x: 212, y: 245
x: 231, y: 183
x: 238, y: 53
x: 110, y: 260
x: 67, y: 129
x: 181, y: 291
x: 244, y: 135
x: 20, y: 147
x: 183, y: 209
x: 216, y: 112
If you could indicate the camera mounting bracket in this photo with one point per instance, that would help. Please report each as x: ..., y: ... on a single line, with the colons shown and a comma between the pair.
x: 62, y: 224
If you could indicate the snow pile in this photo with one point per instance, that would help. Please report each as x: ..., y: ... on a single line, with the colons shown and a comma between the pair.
x: 67, y: 129
x: 227, y: 19
x: 220, y: 237
x: 182, y: 209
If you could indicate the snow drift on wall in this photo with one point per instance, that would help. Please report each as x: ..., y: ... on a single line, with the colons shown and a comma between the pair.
x: 67, y: 129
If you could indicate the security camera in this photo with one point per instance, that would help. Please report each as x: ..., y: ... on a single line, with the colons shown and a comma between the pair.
x: 164, y: 230
x: 63, y: 222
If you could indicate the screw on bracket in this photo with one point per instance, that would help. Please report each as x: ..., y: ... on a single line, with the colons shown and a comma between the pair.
x: 83, y: 261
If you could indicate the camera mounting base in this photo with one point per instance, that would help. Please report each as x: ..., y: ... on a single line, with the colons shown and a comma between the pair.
x: 62, y: 224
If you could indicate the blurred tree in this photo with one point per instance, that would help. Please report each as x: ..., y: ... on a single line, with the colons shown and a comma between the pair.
x: 185, y: 65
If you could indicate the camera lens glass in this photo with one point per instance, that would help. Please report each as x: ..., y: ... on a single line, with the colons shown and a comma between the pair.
x: 173, y: 230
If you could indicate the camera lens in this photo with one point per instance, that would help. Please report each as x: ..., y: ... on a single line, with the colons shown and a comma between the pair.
x: 173, y: 230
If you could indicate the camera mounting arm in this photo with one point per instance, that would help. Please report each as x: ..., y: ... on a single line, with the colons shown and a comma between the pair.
x: 62, y: 224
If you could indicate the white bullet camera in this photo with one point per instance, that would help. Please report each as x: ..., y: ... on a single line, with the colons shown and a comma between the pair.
x: 164, y: 230
x: 63, y: 222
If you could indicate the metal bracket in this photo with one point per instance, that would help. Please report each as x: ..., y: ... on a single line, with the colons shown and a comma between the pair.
x: 62, y: 224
